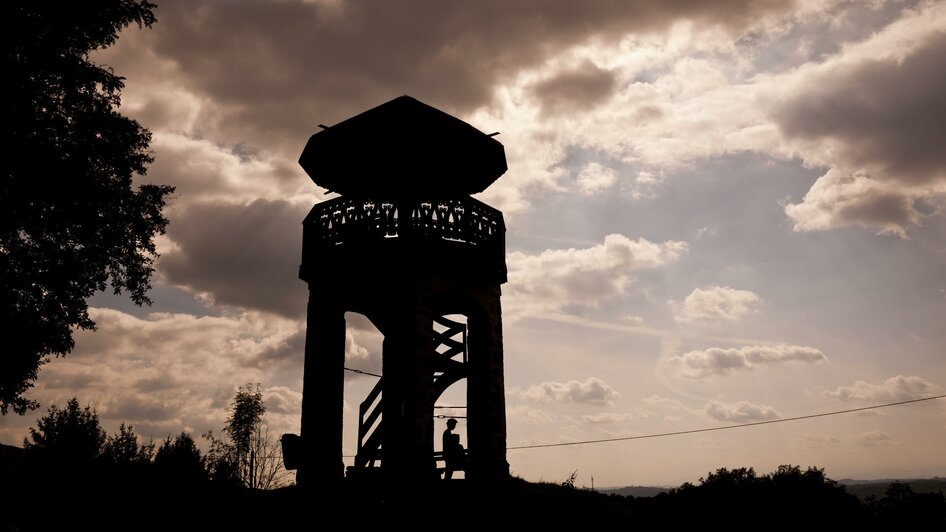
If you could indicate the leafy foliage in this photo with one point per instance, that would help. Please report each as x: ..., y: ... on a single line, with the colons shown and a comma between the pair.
x: 180, y: 459
x: 902, y: 508
x: 221, y: 460
x: 71, y: 222
x: 245, y: 417
x: 72, y: 432
x: 570, y: 481
x: 250, y: 456
x: 123, y: 448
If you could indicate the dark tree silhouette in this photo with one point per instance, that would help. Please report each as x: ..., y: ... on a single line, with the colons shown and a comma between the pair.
x: 221, y: 461
x: 248, y: 455
x: 902, y: 508
x: 179, y: 460
x: 243, y: 422
x: 72, y: 432
x: 123, y: 449
x: 71, y: 222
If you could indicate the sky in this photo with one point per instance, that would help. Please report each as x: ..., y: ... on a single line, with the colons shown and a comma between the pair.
x: 717, y: 212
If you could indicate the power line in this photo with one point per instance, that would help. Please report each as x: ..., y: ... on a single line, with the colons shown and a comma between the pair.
x: 363, y: 372
x: 727, y: 427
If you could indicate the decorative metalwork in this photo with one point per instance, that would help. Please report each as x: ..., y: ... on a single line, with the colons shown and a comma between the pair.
x: 342, y: 220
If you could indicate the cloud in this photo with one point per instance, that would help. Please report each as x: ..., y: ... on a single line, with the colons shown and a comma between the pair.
x: 202, y: 171
x: 874, y: 115
x: 605, y: 418
x: 575, y: 89
x: 838, y: 199
x: 240, y: 255
x: 595, y: 178
x: 593, y: 391
x: 722, y: 361
x: 282, y: 400
x: 671, y: 405
x: 871, y: 119
x: 897, y: 388
x: 362, y: 352
x: 716, y: 304
x: 654, y: 84
x: 816, y: 441
x: 165, y: 372
x: 873, y: 438
x: 279, y: 68
x: 257, y: 78
x: 742, y: 411
x: 526, y: 413
x: 557, y: 278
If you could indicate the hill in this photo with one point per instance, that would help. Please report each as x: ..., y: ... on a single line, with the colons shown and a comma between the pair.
x: 876, y: 488
x: 634, y: 491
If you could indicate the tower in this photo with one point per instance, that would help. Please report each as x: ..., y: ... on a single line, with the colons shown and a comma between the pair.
x: 406, y: 246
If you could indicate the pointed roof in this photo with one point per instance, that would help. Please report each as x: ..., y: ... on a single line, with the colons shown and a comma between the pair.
x: 403, y: 148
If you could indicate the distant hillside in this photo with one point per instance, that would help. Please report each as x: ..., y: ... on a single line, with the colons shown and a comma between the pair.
x: 861, y: 488
x: 866, y: 488
x: 633, y: 491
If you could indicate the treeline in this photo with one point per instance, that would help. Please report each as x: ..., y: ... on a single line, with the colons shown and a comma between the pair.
x: 792, y: 496
x: 736, y: 499
x: 244, y: 456
x: 71, y: 474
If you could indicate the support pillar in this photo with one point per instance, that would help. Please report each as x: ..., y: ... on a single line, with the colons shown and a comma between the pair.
x: 323, y: 392
x: 407, y: 451
x: 486, y: 399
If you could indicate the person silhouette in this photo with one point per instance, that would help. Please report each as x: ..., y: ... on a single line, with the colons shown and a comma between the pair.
x: 453, y: 453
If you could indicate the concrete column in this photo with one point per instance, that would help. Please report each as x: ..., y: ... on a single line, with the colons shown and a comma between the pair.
x: 323, y: 392
x: 408, y: 396
x: 486, y: 395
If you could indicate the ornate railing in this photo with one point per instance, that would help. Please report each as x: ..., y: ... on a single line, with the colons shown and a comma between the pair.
x: 341, y: 220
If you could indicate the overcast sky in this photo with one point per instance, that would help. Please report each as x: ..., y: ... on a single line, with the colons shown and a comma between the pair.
x: 717, y: 212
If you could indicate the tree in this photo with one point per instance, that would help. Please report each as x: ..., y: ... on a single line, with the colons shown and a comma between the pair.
x: 268, y: 470
x: 72, y: 432
x: 244, y: 420
x: 222, y: 464
x: 71, y: 223
x: 180, y: 459
x: 250, y: 456
x: 123, y: 448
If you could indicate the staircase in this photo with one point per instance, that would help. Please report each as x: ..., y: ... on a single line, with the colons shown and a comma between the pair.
x: 450, y: 348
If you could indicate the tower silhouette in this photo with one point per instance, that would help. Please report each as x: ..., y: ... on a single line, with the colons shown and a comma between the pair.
x: 406, y: 246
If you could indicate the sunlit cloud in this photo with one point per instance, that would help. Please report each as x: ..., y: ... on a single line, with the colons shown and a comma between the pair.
x: 873, y: 438
x: 716, y: 304
x: 742, y: 411
x: 592, y: 391
x: 898, y: 388
x: 722, y: 361
x: 595, y: 178
x: 557, y: 278
x: 527, y: 413
x: 607, y: 418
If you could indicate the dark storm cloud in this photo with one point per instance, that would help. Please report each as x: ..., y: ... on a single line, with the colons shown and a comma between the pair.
x: 243, y: 255
x: 139, y: 407
x: 575, y: 89
x: 879, y: 209
x: 283, y: 67
x: 200, y: 170
x: 885, y: 116
x: 291, y: 349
